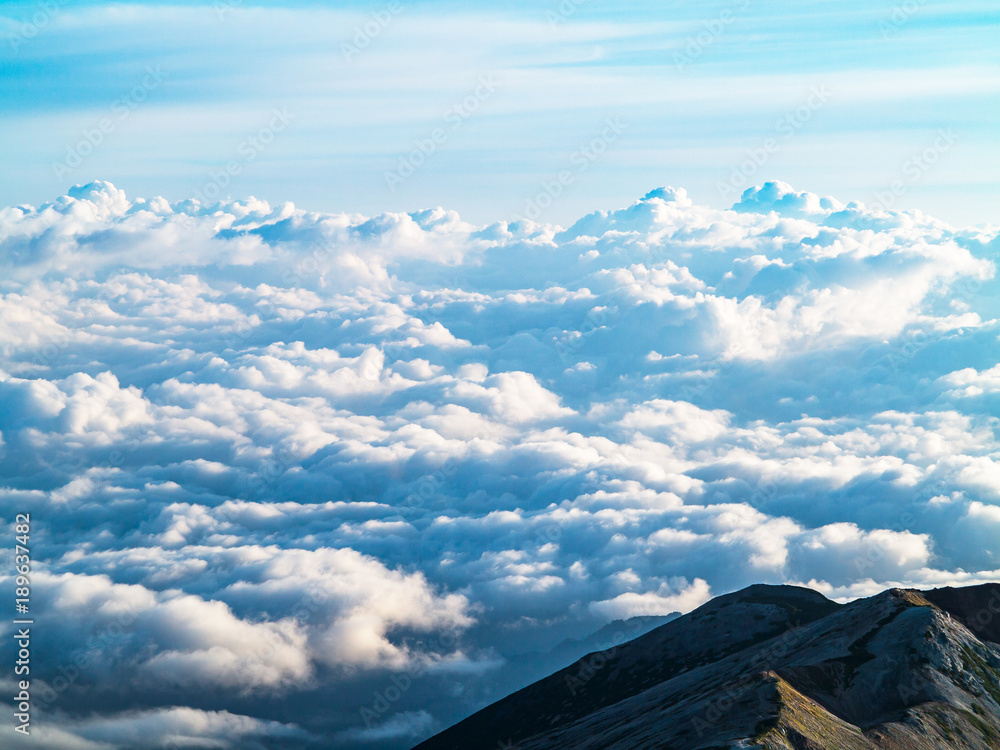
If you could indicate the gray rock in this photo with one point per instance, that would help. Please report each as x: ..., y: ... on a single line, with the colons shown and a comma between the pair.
x: 772, y: 667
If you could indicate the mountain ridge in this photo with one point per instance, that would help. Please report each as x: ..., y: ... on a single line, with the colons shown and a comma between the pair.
x: 772, y: 667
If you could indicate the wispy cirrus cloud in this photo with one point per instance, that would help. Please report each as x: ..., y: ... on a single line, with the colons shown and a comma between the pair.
x: 224, y: 72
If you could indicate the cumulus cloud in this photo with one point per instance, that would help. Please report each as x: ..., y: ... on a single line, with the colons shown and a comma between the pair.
x: 632, y: 604
x: 410, y: 725
x: 970, y: 382
x: 285, y: 460
x: 167, y: 728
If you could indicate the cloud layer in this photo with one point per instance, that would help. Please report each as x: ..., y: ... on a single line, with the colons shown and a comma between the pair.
x: 278, y: 461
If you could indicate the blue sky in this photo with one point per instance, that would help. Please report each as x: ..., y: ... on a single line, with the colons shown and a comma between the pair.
x: 699, y: 88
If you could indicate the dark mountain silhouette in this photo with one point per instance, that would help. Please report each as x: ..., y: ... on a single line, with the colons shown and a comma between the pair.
x: 772, y: 667
x: 523, y: 669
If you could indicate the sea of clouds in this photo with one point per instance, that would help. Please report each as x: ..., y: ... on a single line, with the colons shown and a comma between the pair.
x: 310, y: 480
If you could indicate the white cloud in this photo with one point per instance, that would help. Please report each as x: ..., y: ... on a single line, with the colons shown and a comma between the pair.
x: 302, y: 453
x: 969, y: 382
x: 654, y: 603
x: 180, y: 726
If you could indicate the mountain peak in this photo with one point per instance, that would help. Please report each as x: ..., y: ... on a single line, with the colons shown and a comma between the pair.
x: 775, y: 667
x: 777, y: 592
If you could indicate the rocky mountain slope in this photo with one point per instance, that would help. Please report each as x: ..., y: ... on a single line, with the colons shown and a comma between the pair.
x: 776, y: 667
x: 522, y: 669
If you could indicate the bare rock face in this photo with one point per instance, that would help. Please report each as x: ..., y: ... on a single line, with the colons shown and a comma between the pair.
x: 772, y: 667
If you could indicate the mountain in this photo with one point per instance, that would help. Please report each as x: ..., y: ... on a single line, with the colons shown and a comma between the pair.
x: 572, y: 649
x: 778, y: 667
x: 523, y: 669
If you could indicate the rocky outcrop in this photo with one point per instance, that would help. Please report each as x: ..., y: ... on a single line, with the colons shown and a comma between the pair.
x: 772, y: 667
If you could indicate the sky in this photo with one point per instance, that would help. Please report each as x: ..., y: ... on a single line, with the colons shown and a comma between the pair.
x: 699, y: 88
x: 345, y: 375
